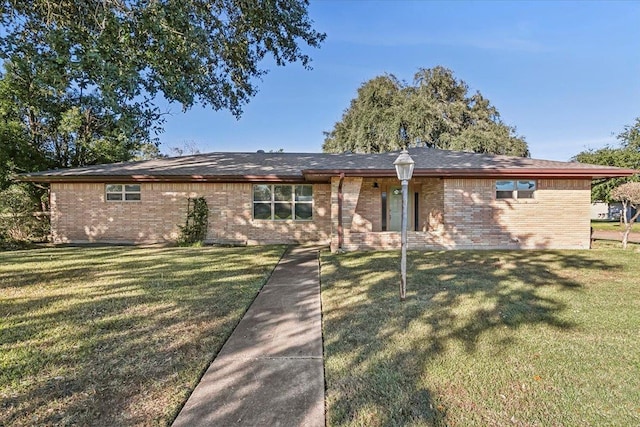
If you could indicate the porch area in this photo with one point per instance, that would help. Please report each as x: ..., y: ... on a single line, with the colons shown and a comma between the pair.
x: 458, y: 213
x: 366, y: 213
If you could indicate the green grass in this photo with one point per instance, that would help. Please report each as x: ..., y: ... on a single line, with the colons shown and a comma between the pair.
x: 485, y: 338
x: 116, y: 336
x: 612, y: 226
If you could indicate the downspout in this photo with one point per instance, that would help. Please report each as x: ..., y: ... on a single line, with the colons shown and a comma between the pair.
x: 340, y: 231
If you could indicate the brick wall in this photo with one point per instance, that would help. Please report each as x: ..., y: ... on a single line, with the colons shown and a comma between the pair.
x: 558, y: 216
x: 79, y: 213
x: 453, y: 214
x: 432, y: 208
x: 463, y: 213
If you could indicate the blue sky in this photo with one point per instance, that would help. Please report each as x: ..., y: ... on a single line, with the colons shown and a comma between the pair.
x: 566, y: 74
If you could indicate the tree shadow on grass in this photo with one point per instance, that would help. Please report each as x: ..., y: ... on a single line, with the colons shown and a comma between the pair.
x: 113, y: 336
x: 379, y: 350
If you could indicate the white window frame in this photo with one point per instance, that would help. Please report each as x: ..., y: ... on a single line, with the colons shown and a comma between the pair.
x: 515, y: 193
x: 273, y: 202
x: 126, y: 192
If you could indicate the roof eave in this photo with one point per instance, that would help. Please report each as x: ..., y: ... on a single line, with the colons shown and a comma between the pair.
x: 324, y: 175
x: 161, y: 178
x: 483, y: 173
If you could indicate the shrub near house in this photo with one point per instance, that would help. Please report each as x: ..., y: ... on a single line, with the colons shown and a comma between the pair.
x: 18, y: 223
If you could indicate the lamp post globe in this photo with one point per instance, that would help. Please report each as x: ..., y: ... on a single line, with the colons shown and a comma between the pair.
x: 404, y: 166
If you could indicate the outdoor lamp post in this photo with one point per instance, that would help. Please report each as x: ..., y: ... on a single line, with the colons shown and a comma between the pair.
x: 404, y: 168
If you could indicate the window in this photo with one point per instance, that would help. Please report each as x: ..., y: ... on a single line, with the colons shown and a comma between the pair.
x: 416, y: 211
x: 384, y: 211
x: 283, y: 202
x: 122, y: 192
x: 515, y: 189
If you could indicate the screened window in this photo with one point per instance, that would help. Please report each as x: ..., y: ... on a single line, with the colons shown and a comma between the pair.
x: 520, y: 189
x: 122, y: 192
x: 283, y: 202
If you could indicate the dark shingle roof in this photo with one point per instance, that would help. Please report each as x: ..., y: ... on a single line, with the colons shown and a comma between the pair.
x: 224, y: 166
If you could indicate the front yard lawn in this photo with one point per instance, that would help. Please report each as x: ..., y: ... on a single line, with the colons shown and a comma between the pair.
x: 117, y: 336
x: 485, y: 338
x: 613, y: 226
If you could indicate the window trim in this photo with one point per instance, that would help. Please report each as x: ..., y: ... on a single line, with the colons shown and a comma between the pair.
x: 123, y: 193
x: 273, y: 202
x: 515, y: 193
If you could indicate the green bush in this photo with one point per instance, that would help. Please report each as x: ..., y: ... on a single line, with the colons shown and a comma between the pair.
x: 194, y: 232
x: 19, y: 218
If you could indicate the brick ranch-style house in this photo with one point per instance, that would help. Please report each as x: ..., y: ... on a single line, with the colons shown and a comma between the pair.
x: 457, y: 200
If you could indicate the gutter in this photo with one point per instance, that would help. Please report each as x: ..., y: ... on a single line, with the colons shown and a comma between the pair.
x: 586, y: 173
x: 340, y: 200
x: 163, y: 178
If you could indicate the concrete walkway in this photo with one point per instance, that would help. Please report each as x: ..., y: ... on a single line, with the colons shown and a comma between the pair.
x: 634, y: 237
x: 270, y: 370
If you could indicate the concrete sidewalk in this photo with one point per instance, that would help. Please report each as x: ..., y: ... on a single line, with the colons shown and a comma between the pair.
x: 270, y: 370
x: 634, y: 237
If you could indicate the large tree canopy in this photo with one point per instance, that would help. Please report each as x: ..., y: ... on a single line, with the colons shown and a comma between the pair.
x: 81, y: 76
x: 436, y: 110
x: 626, y: 155
x: 189, y: 50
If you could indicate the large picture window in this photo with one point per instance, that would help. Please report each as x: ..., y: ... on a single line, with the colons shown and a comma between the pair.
x: 520, y: 189
x: 122, y: 192
x: 283, y: 202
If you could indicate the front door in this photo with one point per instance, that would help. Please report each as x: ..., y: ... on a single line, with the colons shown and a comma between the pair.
x: 395, y: 209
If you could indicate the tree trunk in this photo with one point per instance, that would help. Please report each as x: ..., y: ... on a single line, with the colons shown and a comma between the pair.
x: 625, y: 236
x: 627, y: 225
x: 628, y: 222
